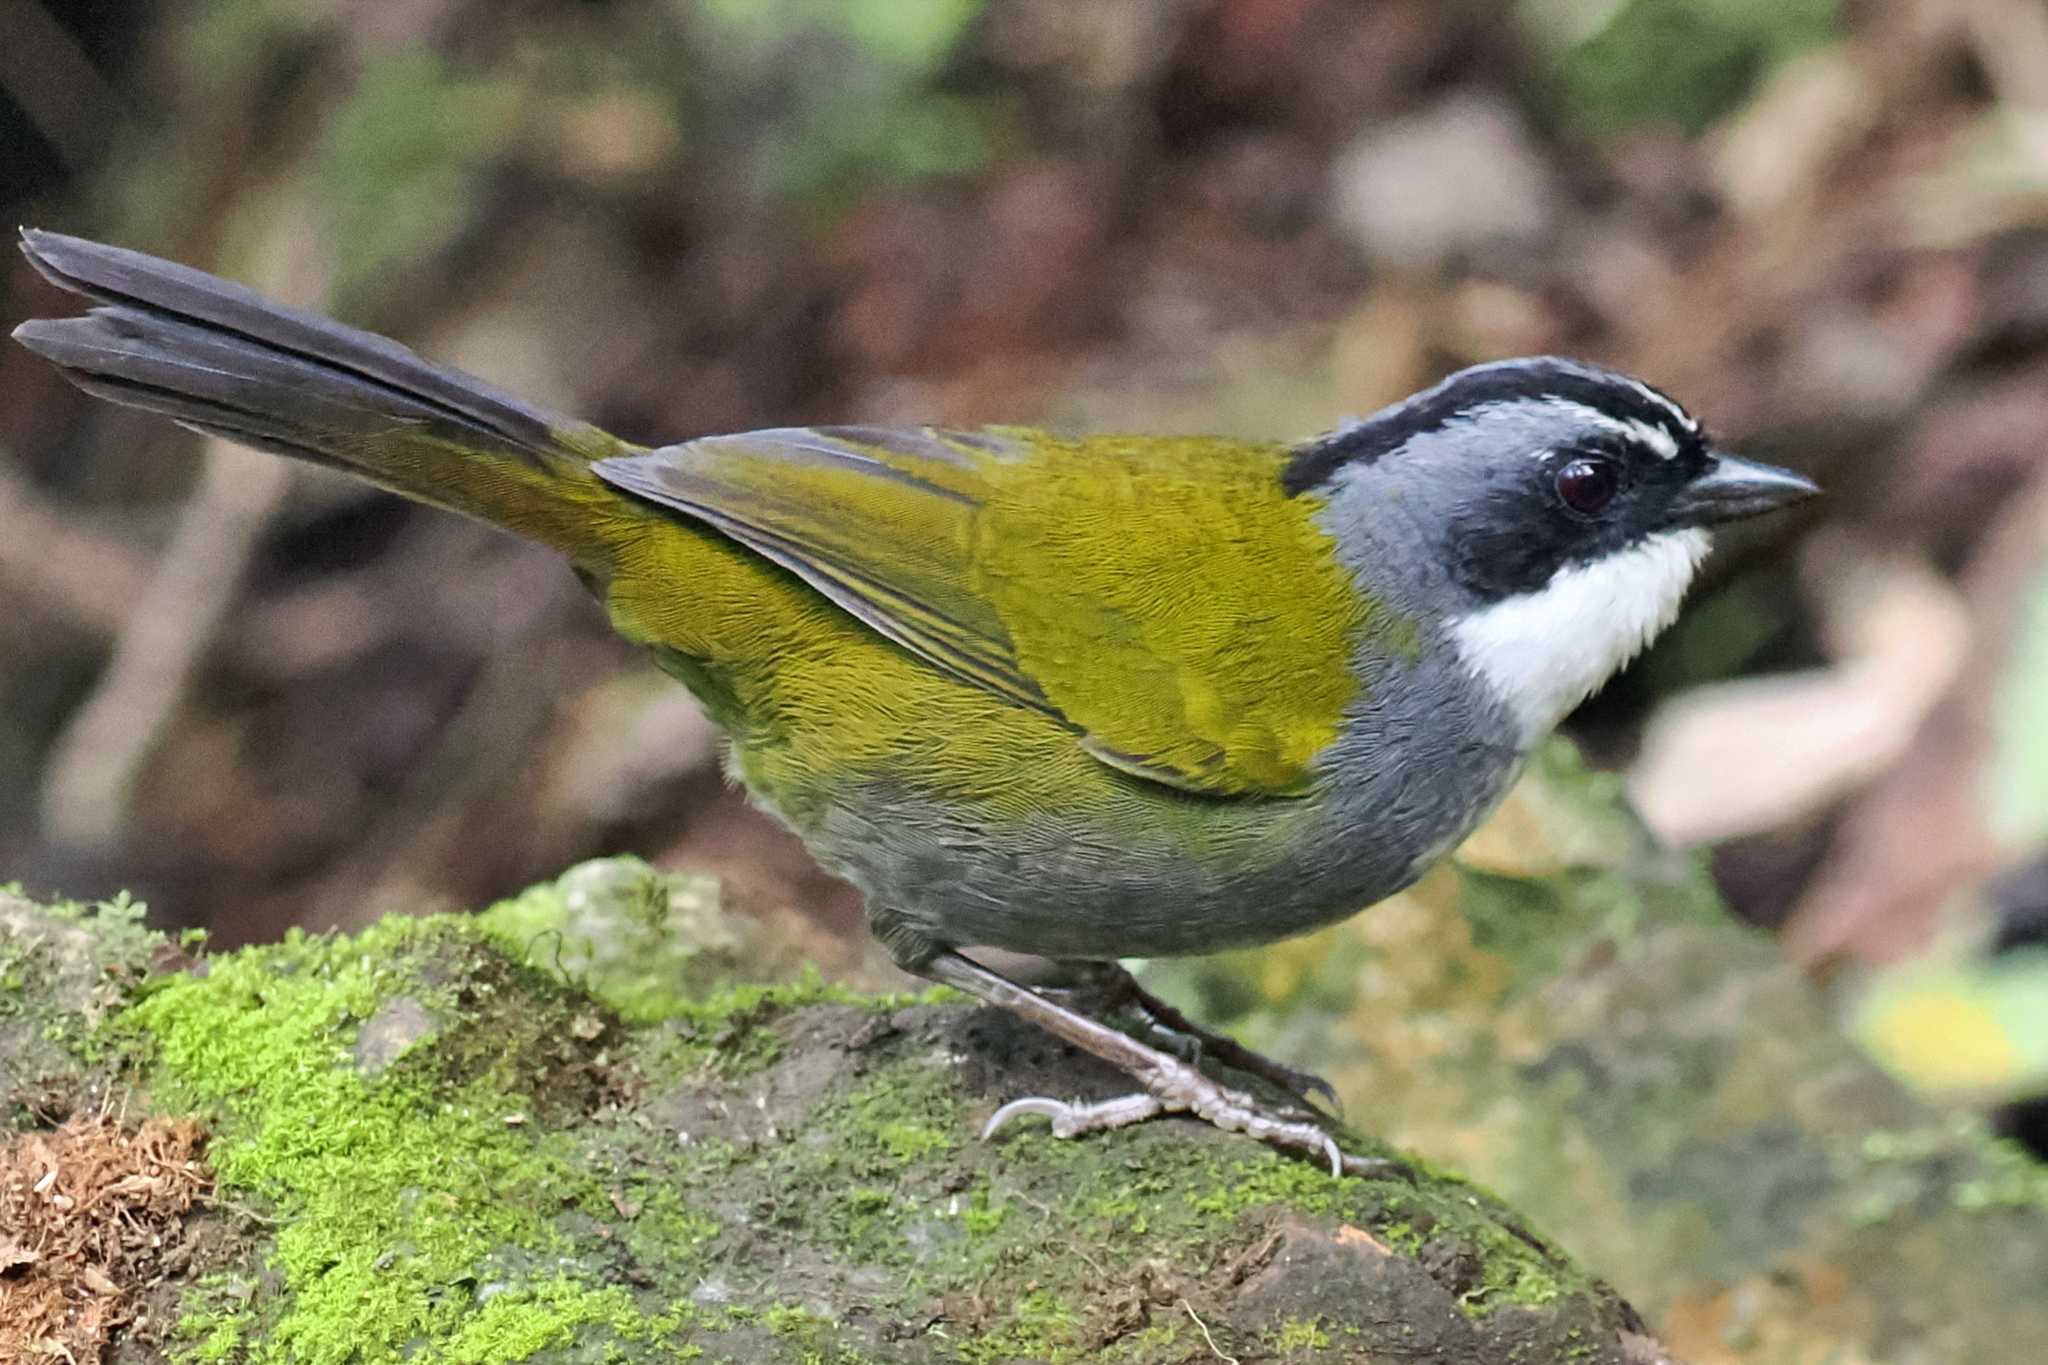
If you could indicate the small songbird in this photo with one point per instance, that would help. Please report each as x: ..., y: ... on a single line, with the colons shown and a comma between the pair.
x: 1083, y: 699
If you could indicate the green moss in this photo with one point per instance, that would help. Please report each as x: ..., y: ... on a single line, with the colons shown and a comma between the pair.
x: 475, y: 1178
x: 1252, y: 1183
x: 211, y: 1334
x: 65, y: 970
x: 652, y: 948
x: 518, y: 1323
x: 984, y: 1217
x: 1301, y: 1335
x: 1513, y: 1274
x: 645, y: 943
x: 1171, y: 1336
x: 664, y: 1222
x: 1040, y: 1326
x: 394, y: 1239
x: 119, y: 925
x: 387, y: 1190
x: 214, y: 1324
x: 907, y: 1115
x: 1406, y: 1218
x: 14, y: 976
x: 728, y: 1033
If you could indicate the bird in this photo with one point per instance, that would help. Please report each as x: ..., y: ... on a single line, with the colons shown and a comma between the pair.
x: 1085, y: 698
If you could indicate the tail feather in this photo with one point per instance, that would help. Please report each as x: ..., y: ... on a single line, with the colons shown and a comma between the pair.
x: 217, y: 380
x: 221, y: 358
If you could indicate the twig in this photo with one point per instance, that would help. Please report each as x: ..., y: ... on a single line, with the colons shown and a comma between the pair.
x: 90, y: 579
x: 96, y: 761
x: 1214, y: 1349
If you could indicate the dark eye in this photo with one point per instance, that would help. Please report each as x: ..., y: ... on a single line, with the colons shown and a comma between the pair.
x: 1587, y: 486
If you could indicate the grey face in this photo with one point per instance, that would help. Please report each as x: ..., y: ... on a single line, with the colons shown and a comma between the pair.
x: 1515, y: 470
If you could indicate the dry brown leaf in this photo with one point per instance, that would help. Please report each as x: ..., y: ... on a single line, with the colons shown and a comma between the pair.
x: 101, y: 1204
x: 1760, y: 754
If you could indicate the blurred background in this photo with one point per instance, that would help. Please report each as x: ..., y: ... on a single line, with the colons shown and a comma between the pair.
x: 259, y: 696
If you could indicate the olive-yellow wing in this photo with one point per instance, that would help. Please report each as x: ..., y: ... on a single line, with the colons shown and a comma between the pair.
x: 1164, y: 597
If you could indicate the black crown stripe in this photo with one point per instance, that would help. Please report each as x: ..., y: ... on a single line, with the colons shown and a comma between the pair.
x: 1468, y: 390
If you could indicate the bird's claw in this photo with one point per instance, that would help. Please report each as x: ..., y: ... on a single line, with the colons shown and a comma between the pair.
x: 1303, y: 1085
x: 1072, y: 1119
x: 1230, y: 1110
x: 1192, y: 1042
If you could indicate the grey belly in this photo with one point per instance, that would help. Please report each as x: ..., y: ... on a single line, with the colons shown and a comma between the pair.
x: 1057, y: 888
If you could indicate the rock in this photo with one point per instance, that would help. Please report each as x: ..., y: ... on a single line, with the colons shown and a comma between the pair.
x: 773, y: 1174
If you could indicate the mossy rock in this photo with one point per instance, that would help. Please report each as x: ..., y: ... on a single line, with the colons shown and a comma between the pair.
x: 430, y: 1142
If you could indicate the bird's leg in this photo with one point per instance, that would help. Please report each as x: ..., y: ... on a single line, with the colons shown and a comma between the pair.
x: 1171, y: 1085
x: 1115, y: 985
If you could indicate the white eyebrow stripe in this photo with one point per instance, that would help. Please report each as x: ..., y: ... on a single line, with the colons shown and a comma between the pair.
x: 1656, y: 438
x: 1685, y: 420
x: 1649, y: 433
x: 1678, y: 414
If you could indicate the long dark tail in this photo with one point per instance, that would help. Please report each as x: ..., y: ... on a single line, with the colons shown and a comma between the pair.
x: 223, y: 359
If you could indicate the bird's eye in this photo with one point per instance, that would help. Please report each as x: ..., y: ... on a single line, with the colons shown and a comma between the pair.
x: 1587, y: 486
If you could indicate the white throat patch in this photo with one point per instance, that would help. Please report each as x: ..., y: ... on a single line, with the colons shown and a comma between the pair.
x: 1544, y: 652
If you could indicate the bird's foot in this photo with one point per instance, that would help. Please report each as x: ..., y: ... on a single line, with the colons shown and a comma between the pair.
x: 1171, y: 1084
x: 1118, y: 988
x: 1193, y: 1093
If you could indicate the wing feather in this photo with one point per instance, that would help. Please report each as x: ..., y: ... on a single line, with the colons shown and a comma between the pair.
x: 1007, y: 557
